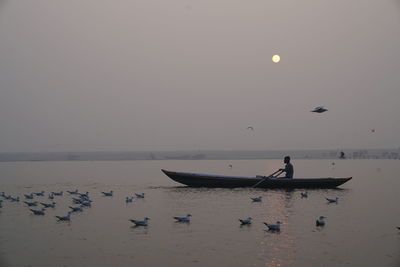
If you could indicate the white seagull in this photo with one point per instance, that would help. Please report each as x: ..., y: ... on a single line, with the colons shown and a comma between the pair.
x: 245, y: 221
x: 320, y: 221
x: 274, y: 227
x: 183, y: 219
x: 141, y: 223
x: 50, y: 205
x: 38, y: 212
x: 256, y: 199
x: 332, y: 200
x: 139, y: 195
x: 64, y: 218
x: 108, y: 194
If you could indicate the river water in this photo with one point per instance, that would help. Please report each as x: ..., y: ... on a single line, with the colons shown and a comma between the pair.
x: 360, y: 230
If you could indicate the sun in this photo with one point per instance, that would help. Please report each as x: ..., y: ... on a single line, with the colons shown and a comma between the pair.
x: 276, y: 58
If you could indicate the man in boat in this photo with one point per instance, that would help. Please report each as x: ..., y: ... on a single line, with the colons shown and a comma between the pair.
x: 288, y: 170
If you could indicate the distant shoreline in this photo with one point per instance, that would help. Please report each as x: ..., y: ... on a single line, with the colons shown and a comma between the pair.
x: 200, y: 155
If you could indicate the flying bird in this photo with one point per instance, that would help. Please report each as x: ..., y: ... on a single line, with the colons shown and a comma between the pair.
x: 250, y: 128
x: 320, y: 109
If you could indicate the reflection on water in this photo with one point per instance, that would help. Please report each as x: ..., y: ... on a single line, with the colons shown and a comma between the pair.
x: 103, y: 235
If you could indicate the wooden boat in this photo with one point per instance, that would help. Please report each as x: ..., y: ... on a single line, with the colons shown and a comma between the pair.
x: 211, y: 180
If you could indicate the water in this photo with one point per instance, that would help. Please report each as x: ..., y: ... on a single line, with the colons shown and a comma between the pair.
x: 360, y: 230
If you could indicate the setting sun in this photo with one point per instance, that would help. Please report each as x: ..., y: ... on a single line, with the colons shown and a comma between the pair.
x: 276, y: 58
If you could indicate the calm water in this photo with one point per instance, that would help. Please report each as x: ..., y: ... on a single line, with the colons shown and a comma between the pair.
x: 360, y: 230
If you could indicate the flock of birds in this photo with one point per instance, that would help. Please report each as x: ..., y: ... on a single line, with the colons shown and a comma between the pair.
x: 79, y: 200
x: 82, y: 200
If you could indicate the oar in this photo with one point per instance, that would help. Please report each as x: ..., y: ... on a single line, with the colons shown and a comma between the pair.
x: 266, y: 177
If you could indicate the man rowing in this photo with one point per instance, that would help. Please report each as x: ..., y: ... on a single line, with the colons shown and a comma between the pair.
x: 288, y: 170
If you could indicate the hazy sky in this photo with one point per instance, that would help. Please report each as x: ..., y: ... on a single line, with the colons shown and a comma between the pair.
x: 98, y: 75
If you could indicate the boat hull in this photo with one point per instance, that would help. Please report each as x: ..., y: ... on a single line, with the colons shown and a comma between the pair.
x: 209, y: 180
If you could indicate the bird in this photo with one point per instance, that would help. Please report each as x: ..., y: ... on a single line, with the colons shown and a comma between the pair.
x: 50, y: 205
x: 141, y: 223
x: 320, y: 221
x: 84, y: 195
x: 304, y: 194
x: 139, y: 195
x: 184, y: 218
x: 108, y: 194
x: 31, y: 204
x: 256, y: 199
x: 51, y: 196
x: 64, y: 218
x: 274, y: 227
x: 13, y: 199
x: 86, y: 203
x: 38, y: 212
x: 230, y: 166
x: 76, y: 209
x: 77, y: 200
x: 29, y: 196
x: 39, y: 194
x: 245, y: 221
x: 250, y: 128
x: 129, y: 199
x: 332, y: 200
x: 58, y: 193
x: 319, y: 109
x: 373, y: 130
x: 75, y: 192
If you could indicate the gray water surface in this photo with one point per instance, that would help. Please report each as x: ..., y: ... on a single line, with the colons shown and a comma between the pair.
x: 360, y: 230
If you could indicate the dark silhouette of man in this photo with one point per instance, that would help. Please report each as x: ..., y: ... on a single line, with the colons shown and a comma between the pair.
x: 288, y: 170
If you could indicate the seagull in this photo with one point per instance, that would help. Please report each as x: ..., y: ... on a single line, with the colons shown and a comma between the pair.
x: 108, y: 194
x: 245, y: 221
x: 73, y: 192
x: 86, y: 203
x: 140, y: 223
x: 256, y: 199
x: 13, y: 199
x: 320, y: 109
x: 51, y: 205
x: 31, y: 204
x: 250, y: 128
x: 320, y: 221
x: 64, y: 218
x: 139, y: 195
x: 230, y: 166
x: 83, y: 195
x: 30, y: 196
x: 304, y: 194
x: 129, y: 199
x: 51, y: 196
x: 38, y: 212
x: 332, y: 200
x: 39, y: 193
x: 58, y: 193
x: 76, y: 209
x: 274, y: 227
x: 183, y: 219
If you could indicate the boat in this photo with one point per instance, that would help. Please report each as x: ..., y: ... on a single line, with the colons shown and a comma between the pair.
x: 213, y: 180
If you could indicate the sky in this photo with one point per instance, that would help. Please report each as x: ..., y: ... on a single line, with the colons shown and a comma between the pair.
x: 156, y: 75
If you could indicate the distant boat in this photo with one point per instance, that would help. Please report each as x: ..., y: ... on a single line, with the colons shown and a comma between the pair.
x: 211, y: 180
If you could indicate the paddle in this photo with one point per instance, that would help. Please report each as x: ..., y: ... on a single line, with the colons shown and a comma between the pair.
x: 266, y: 177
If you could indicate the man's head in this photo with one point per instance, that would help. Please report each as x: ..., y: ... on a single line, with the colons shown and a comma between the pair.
x: 286, y: 159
